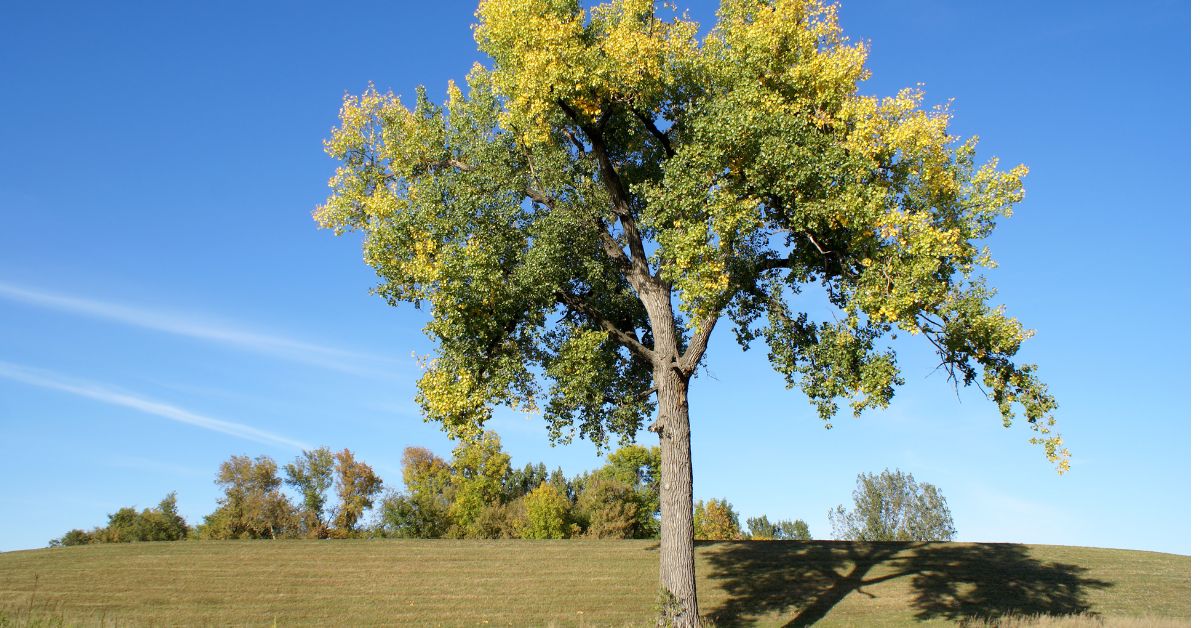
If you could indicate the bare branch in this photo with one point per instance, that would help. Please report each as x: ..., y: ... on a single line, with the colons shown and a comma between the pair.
x: 815, y: 243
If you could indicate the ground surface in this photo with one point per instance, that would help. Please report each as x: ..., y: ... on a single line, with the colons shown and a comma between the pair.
x: 574, y: 583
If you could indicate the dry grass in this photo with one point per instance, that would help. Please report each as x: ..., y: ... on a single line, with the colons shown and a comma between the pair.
x: 1076, y: 621
x: 587, y: 583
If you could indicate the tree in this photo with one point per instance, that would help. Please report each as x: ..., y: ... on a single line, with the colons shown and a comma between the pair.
x: 620, y: 499
x: 794, y: 530
x: 762, y: 529
x: 891, y: 506
x: 715, y: 520
x: 253, y: 507
x: 613, y: 185
x: 357, y: 486
x: 546, y: 514
x: 424, y: 513
x: 127, y: 525
x: 480, y: 468
x: 163, y: 523
x: 72, y: 537
x: 311, y: 474
x: 522, y: 481
x: 612, y: 509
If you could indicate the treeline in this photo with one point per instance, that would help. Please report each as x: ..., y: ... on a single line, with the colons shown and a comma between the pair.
x: 476, y: 494
x: 128, y: 525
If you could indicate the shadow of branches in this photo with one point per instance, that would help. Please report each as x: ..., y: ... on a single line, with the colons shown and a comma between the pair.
x: 988, y: 580
x: 947, y: 580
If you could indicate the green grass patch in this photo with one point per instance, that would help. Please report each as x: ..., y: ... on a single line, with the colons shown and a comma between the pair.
x: 584, y: 583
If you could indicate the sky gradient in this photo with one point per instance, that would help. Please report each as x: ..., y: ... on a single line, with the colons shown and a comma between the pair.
x: 166, y: 300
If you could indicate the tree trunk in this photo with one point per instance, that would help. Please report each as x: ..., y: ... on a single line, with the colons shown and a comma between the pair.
x: 677, y: 562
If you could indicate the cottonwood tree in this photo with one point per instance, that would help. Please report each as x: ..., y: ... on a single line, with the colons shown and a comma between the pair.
x: 612, y: 184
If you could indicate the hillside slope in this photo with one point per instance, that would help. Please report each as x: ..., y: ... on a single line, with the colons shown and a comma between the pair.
x: 572, y: 583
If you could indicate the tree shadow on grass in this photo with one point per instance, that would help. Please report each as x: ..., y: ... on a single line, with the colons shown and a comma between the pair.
x: 948, y: 581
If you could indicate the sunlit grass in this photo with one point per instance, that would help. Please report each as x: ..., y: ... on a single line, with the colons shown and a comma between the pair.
x: 583, y: 583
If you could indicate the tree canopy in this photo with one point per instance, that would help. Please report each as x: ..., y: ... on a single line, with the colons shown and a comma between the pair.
x: 892, y: 506
x: 611, y: 147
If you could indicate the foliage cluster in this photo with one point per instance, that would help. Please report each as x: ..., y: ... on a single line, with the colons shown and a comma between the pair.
x: 892, y: 506
x: 478, y: 494
x: 127, y: 525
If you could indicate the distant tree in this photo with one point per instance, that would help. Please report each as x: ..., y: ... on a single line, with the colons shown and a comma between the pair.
x: 546, y: 514
x: 312, y: 475
x: 620, y: 499
x: 124, y: 526
x: 635, y: 465
x: 127, y: 525
x: 500, y: 520
x: 253, y: 507
x: 164, y: 522
x: 892, y: 506
x: 524, y: 480
x: 480, y: 468
x: 357, y: 487
x: 73, y: 537
x: 761, y: 529
x: 715, y: 520
x: 430, y: 484
x: 794, y: 530
x: 612, y: 509
x: 423, y: 511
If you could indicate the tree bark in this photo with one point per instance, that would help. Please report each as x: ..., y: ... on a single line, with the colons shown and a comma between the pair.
x: 677, y: 561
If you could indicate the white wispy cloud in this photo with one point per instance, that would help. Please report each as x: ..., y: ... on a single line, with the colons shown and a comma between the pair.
x: 183, y: 325
x: 103, y: 394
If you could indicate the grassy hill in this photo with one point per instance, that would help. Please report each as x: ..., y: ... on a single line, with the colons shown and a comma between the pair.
x: 579, y: 583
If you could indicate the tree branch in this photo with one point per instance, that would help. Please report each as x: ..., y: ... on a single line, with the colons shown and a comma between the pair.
x: 619, y: 195
x: 626, y: 338
x: 612, y: 247
x: 697, y: 346
x: 656, y: 132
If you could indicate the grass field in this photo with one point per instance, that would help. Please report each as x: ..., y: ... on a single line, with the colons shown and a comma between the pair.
x: 581, y: 583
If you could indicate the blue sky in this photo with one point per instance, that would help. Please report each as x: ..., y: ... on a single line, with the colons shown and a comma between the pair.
x: 166, y: 300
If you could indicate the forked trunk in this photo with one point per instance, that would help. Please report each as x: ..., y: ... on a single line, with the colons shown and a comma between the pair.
x: 677, y: 562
